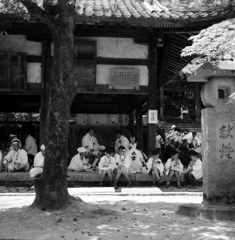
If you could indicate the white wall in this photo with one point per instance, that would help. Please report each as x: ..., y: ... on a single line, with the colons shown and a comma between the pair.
x: 102, y: 73
x: 106, y: 47
x: 19, y: 43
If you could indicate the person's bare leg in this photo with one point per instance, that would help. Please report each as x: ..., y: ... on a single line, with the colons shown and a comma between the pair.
x: 125, y: 174
x: 169, y: 178
x: 102, y: 177
x: 178, y: 179
x: 109, y: 172
x: 154, y: 178
x: 119, y: 173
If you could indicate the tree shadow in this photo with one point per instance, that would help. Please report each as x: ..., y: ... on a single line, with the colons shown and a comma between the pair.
x: 112, y: 218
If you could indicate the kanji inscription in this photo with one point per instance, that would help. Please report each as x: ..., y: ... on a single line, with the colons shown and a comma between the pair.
x: 124, y: 78
x: 226, y: 141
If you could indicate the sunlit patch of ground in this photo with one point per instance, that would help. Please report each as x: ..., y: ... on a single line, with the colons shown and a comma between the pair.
x: 109, y: 217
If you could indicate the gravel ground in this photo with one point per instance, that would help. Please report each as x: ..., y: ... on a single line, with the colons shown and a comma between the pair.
x: 109, y: 217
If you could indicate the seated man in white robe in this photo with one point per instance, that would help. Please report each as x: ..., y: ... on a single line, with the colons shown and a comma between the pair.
x: 121, y: 141
x: 136, y: 157
x: 122, y: 166
x: 38, y: 163
x: 16, y: 160
x: 79, y: 163
x: 155, y: 167
x: 106, y: 165
x: 90, y: 142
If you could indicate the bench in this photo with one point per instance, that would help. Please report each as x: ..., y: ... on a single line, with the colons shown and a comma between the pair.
x: 76, y: 179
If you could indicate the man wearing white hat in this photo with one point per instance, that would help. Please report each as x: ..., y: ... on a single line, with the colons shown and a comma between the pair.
x: 38, y: 162
x: 79, y: 163
x: 16, y: 160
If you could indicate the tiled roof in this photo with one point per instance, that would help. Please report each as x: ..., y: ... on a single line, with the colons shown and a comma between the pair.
x: 140, y: 10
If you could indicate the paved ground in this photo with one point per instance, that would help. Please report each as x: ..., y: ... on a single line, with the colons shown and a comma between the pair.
x: 112, y: 216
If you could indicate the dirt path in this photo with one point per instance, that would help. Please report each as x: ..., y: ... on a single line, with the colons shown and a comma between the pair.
x: 109, y: 217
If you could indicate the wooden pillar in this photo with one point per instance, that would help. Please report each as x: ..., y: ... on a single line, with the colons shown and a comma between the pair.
x: 131, y: 120
x: 139, y: 129
x: 162, y: 103
x: 46, y: 53
x: 197, y: 104
x: 152, y: 91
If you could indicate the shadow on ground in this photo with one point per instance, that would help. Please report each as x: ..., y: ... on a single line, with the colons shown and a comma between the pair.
x: 111, y: 218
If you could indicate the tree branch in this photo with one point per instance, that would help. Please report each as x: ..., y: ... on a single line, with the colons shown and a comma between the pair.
x: 38, y: 12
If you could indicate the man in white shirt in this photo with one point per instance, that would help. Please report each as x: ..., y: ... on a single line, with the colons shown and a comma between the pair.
x: 79, y: 162
x: 90, y: 142
x: 136, y: 158
x: 38, y: 162
x: 122, y: 166
x: 30, y: 147
x: 16, y: 160
x: 121, y: 141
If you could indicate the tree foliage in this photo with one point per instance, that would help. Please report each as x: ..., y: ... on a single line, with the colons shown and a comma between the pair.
x: 215, y: 42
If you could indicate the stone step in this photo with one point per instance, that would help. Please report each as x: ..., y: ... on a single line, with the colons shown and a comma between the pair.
x: 77, y: 178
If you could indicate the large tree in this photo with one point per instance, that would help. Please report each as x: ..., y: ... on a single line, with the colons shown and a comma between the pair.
x: 59, y: 16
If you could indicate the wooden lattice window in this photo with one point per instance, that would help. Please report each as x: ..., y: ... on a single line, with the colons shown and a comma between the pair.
x: 13, y: 71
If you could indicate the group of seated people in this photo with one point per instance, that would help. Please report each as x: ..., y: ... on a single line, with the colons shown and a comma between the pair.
x: 18, y: 160
x: 123, y: 159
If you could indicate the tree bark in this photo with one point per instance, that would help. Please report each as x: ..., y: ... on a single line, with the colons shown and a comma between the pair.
x: 51, y: 189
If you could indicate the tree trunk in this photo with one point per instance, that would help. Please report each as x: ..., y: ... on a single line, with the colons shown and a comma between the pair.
x: 51, y: 189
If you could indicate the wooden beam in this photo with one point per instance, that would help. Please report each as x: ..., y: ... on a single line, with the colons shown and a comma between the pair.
x: 122, y: 61
x: 163, y: 63
x: 34, y: 59
x: 153, y: 90
x: 139, y: 130
x: 131, y: 120
x: 104, y: 89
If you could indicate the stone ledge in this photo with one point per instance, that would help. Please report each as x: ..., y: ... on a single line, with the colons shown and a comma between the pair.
x: 215, y: 212
x: 81, y: 177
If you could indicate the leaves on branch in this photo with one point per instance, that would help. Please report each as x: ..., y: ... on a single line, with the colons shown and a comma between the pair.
x: 215, y: 42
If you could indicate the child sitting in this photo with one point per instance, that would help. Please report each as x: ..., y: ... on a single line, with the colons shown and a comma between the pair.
x: 122, y: 165
x: 155, y: 167
x: 106, y: 166
x: 194, y: 171
x: 173, y: 167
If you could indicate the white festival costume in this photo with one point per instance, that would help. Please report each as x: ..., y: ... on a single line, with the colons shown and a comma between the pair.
x: 17, y: 159
x: 30, y: 145
x: 91, y: 143
x: 106, y: 164
x: 136, y: 158
x: 157, y: 163
x: 122, y: 141
x: 174, y: 165
x: 38, y: 165
x: 77, y: 164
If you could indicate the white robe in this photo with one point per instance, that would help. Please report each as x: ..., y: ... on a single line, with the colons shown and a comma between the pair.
x: 122, y: 141
x: 123, y: 160
x: 106, y: 164
x: 196, y: 169
x: 175, y: 165
x: 136, y: 159
x: 77, y: 164
x: 30, y: 145
x: 16, y: 159
x: 91, y: 143
x: 38, y: 165
x: 157, y: 163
